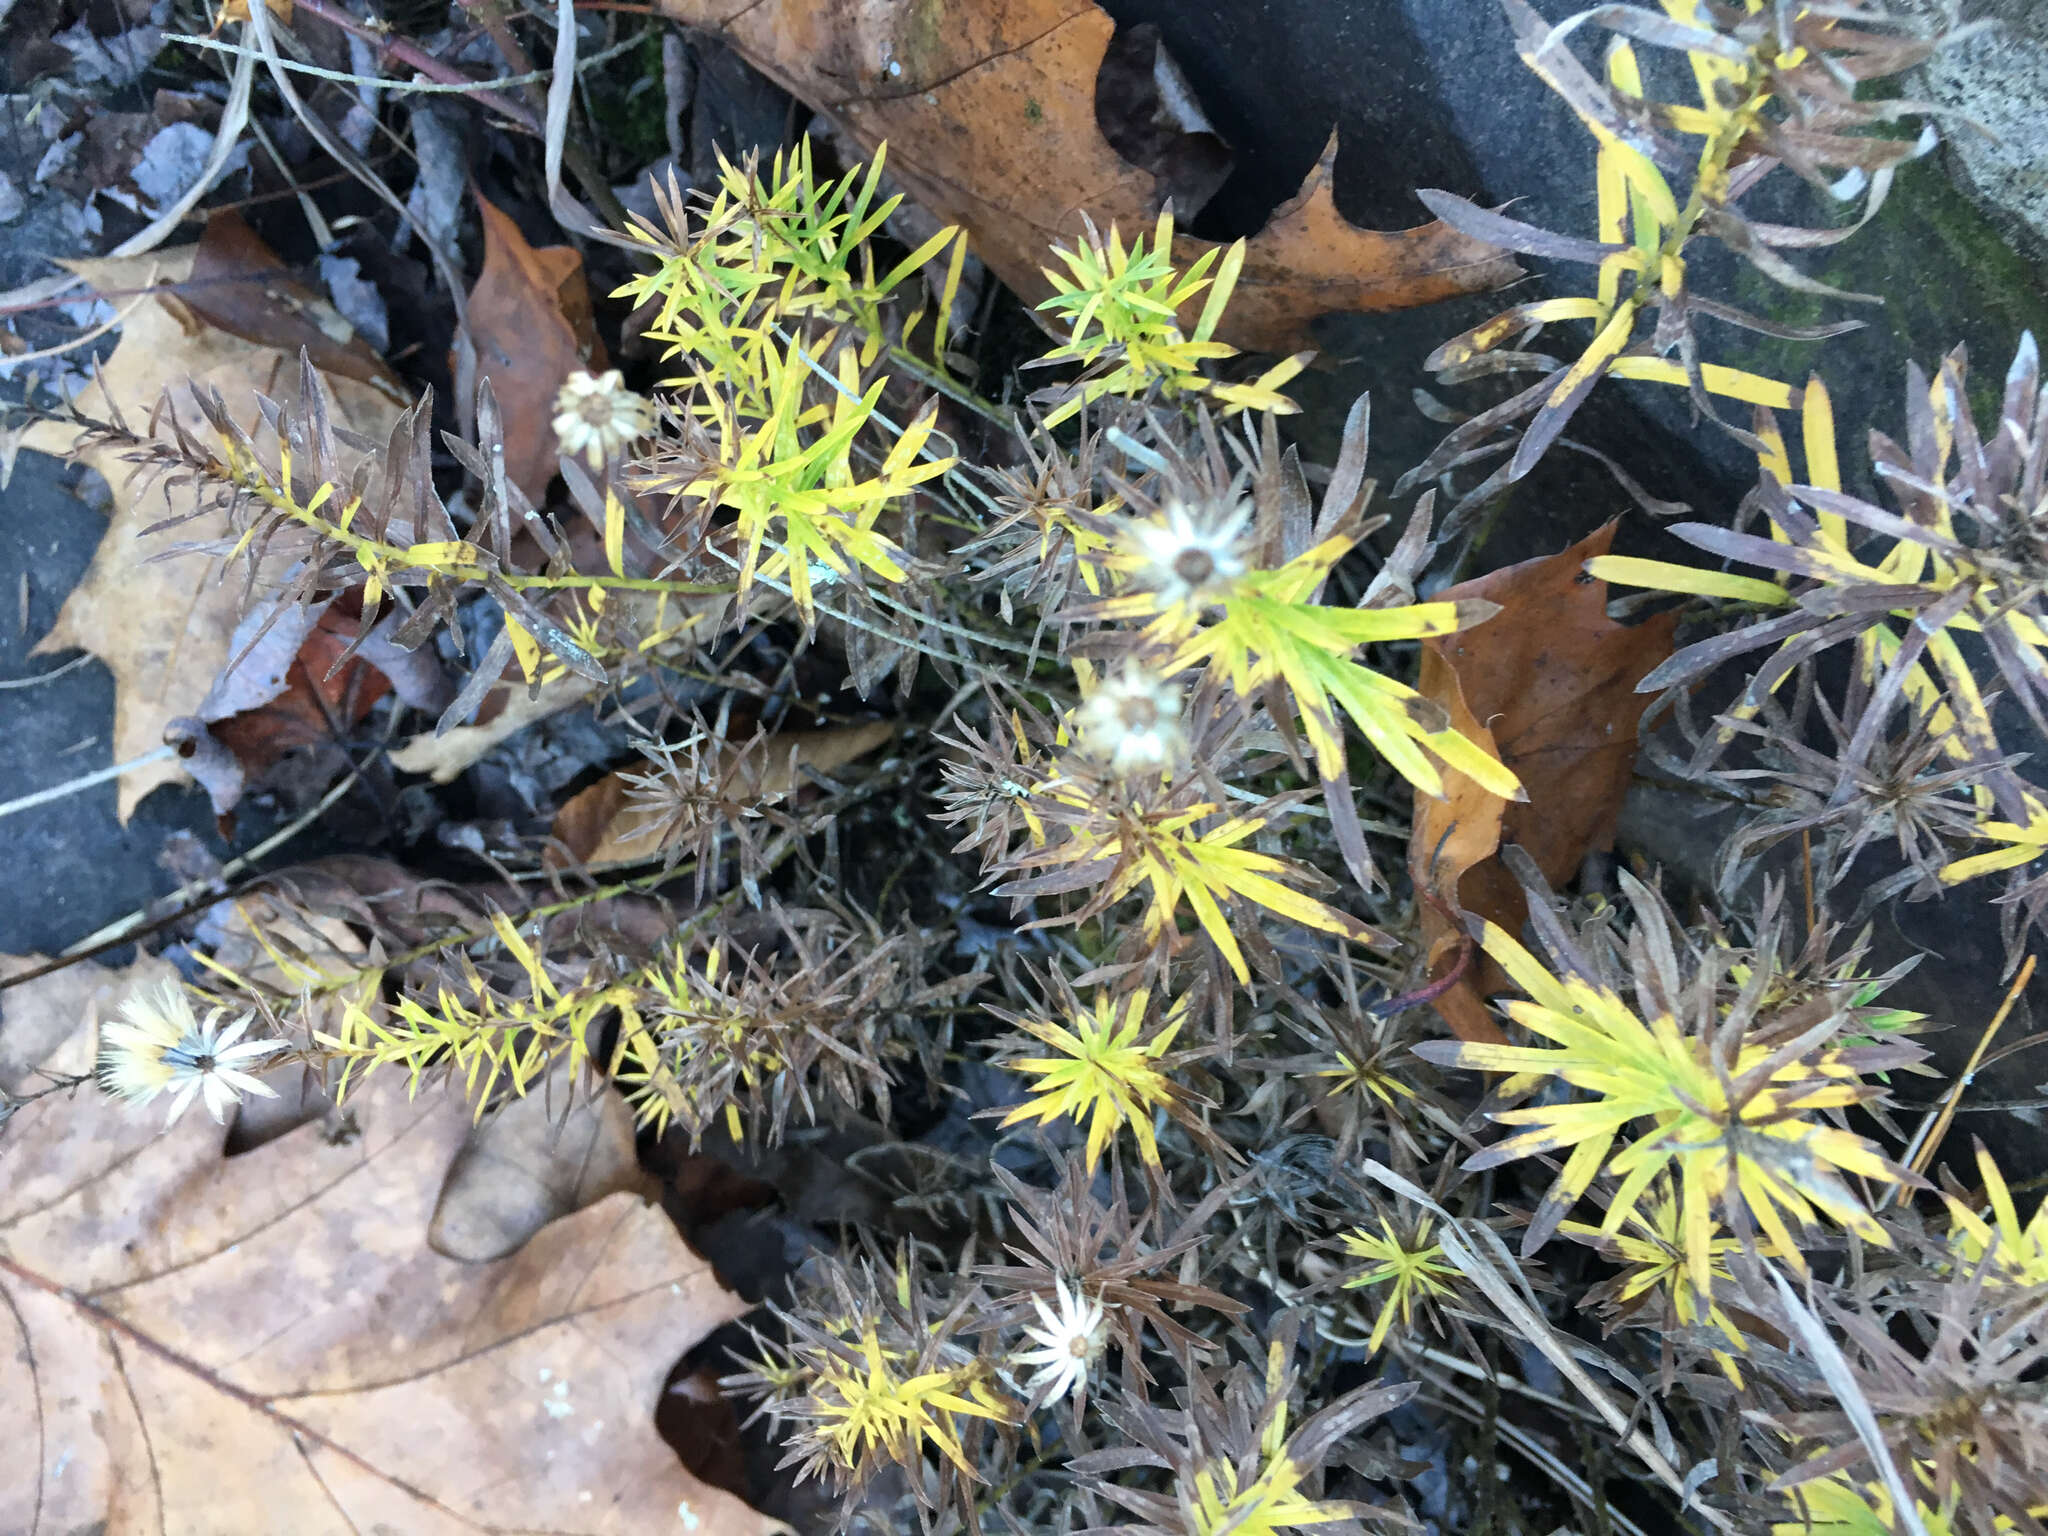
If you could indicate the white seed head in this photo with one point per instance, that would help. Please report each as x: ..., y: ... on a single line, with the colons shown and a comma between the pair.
x: 1070, y: 1341
x: 1190, y: 555
x: 1131, y: 722
x: 160, y: 1045
x: 597, y: 416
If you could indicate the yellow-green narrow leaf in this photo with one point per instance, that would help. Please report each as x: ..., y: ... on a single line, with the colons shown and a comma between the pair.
x: 1664, y: 576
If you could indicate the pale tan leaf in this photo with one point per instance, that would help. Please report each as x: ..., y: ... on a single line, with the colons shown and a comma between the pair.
x: 38, y: 1016
x: 163, y: 626
x: 446, y: 755
x: 267, y: 1342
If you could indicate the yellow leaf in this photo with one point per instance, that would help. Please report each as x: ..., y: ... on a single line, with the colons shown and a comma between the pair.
x: 1823, y: 468
x: 1612, y: 338
x: 1732, y: 382
x: 525, y: 647
x: 1664, y: 576
x: 614, y: 532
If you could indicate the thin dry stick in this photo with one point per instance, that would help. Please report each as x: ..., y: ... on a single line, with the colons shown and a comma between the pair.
x: 445, y: 264
x: 55, y: 672
x: 182, y: 902
x: 233, y: 117
x: 413, y: 57
x: 458, y: 86
x: 85, y: 780
x: 1927, y: 1140
x: 120, y: 317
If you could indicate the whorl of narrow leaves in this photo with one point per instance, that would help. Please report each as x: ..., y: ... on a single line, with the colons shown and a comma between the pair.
x: 1121, y: 307
x: 1774, y: 84
x: 1730, y: 1109
x: 1159, y: 689
x: 1959, y: 571
x: 1108, y: 1070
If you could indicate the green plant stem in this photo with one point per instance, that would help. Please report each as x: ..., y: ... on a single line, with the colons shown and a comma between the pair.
x: 374, y: 555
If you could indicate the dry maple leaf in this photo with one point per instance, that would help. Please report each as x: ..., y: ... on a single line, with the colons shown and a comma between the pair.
x: 268, y: 1343
x: 529, y: 315
x: 1550, y: 683
x: 163, y: 626
x: 989, y: 112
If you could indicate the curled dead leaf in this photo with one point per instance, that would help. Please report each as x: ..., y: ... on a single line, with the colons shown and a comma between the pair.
x: 297, y: 675
x: 1550, y: 683
x: 508, y: 709
x: 530, y: 317
x: 239, y: 285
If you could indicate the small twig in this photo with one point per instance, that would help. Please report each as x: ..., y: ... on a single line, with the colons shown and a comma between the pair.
x: 186, y: 900
x: 459, y: 86
x: 80, y: 340
x: 30, y: 682
x: 1927, y: 1140
x: 84, y: 781
x: 60, y: 1082
x: 1443, y: 983
x: 419, y: 60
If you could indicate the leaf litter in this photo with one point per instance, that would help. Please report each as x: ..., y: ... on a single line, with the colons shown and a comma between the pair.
x: 991, y: 124
x: 1550, y: 681
x: 164, y: 622
x: 270, y: 1341
x: 379, y: 1203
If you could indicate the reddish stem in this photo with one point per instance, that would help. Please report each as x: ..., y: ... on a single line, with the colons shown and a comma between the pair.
x: 1443, y: 983
x: 418, y: 59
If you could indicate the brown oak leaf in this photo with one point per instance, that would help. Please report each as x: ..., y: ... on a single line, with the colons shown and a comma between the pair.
x: 989, y: 115
x: 192, y: 1342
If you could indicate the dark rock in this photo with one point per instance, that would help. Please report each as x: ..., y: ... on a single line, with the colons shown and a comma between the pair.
x: 735, y: 109
x: 1424, y: 94
x: 1996, y: 81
